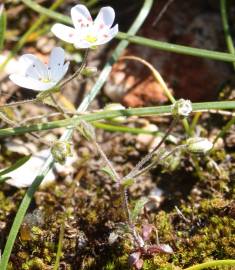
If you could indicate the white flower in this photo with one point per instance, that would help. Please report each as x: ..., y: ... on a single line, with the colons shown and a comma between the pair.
x: 87, y: 33
x: 25, y: 175
x: 38, y: 76
x: 182, y: 108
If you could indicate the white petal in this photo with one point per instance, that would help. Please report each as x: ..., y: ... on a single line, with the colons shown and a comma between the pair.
x: 106, y: 37
x: 56, y: 64
x: 83, y: 44
x: 81, y: 16
x: 32, y: 66
x: 60, y: 74
x: 26, y: 174
x: 64, y: 32
x: 30, y: 83
x: 65, y: 69
x: 57, y: 56
x: 105, y: 17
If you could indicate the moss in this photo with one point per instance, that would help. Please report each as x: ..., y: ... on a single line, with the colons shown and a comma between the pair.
x: 164, y: 226
x: 34, y: 264
x: 7, y: 205
x: 91, y: 209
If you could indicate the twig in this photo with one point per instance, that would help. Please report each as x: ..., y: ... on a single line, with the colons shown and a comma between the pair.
x: 164, y: 9
x: 17, y: 103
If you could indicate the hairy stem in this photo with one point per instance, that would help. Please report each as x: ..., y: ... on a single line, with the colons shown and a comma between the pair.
x: 150, y: 155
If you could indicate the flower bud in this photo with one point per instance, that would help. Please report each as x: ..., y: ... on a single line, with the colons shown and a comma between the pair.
x: 199, y: 145
x: 113, y: 107
x: 182, y: 108
x: 60, y: 151
x: 89, y: 71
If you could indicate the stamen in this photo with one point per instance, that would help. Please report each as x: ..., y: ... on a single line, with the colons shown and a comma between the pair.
x: 44, y: 80
x: 90, y: 39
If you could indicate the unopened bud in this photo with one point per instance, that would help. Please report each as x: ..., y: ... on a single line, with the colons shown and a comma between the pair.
x: 89, y: 71
x: 60, y: 151
x: 199, y: 145
x: 182, y: 108
x: 113, y: 107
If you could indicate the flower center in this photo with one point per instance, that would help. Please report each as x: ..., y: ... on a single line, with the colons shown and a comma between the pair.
x: 90, y: 39
x: 45, y: 80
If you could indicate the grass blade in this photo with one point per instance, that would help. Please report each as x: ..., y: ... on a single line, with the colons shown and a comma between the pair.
x: 158, y: 110
x: 227, y: 33
x: 3, y: 25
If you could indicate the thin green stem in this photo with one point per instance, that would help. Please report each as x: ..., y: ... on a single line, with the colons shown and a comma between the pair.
x: 57, y: 105
x: 145, y: 159
x: 195, y: 121
x: 60, y: 246
x: 227, y: 33
x: 165, y: 46
x: 31, y: 30
x: 92, y: 117
x: 225, y: 129
x: 123, y: 192
x: 124, y: 129
x: 157, y: 76
x: 108, y: 163
x: 3, y: 26
x: 175, y: 48
x: 155, y: 162
x: 21, y: 213
x: 219, y: 263
x: 78, y: 72
x: 67, y: 135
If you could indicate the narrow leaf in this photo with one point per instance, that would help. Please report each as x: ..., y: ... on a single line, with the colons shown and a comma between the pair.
x: 107, y: 171
x: 3, y: 25
x: 138, y: 207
